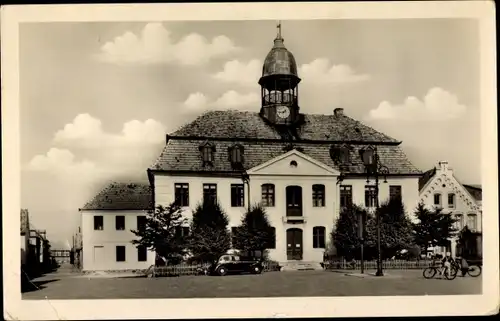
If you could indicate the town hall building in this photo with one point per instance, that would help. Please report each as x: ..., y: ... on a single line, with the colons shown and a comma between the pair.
x: 301, y: 167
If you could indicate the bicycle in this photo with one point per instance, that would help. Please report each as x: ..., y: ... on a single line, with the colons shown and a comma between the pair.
x: 473, y: 270
x: 431, y: 271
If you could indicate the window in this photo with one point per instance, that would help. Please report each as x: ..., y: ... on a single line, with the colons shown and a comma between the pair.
x: 345, y: 195
x: 437, y: 199
x: 272, y: 239
x: 120, y: 222
x: 472, y: 222
x: 120, y: 253
x: 237, y: 195
x: 181, y: 231
x: 141, y: 222
x: 236, y: 154
x: 340, y: 154
x: 318, y: 195
x: 207, y: 154
x: 395, y: 192
x: 234, y: 231
x: 182, y: 194
x: 460, y: 221
x: 142, y: 253
x: 344, y: 155
x: 370, y: 198
x: 451, y: 200
x: 98, y: 223
x: 210, y: 193
x: 268, y: 195
x: 319, y: 237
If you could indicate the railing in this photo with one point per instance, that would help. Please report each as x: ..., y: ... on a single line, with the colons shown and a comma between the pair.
x: 277, y: 98
x: 372, y: 264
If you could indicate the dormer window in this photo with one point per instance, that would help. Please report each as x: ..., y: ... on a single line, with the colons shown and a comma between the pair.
x: 340, y: 154
x: 207, y: 153
x: 236, y: 154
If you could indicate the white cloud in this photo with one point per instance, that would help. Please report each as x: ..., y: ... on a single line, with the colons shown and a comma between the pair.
x: 438, y: 104
x: 229, y: 100
x: 241, y: 73
x: 154, y: 45
x: 61, y: 161
x: 86, y: 131
x: 322, y: 71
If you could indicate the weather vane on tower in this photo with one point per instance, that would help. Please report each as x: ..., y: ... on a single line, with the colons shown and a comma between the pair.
x: 279, y: 29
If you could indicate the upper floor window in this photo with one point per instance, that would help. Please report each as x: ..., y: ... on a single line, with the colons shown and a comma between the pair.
x: 345, y: 195
x: 98, y: 222
x: 318, y: 195
x: 437, y: 199
x: 141, y: 222
x: 451, y: 200
x: 236, y: 154
x: 209, y: 193
x: 207, y: 153
x: 370, y: 197
x: 319, y: 237
x: 472, y: 222
x: 182, y: 194
x: 267, y: 195
x: 340, y: 154
x: 120, y: 222
x: 395, y: 192
x: 237, y: 195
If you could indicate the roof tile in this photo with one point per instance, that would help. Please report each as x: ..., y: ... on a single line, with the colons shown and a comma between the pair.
x: 122, y: 196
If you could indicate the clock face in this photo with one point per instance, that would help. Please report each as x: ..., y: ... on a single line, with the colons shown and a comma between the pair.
x: 283, y: 111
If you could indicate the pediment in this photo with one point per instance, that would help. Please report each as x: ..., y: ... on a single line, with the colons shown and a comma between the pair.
x: 293, y: 163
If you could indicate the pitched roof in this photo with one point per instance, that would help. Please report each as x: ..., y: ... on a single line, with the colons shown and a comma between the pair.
x: 184, y: 155
x: 250, y: 125
x: 122, y: 196
x: 426, y: 177
x: 475, y: 190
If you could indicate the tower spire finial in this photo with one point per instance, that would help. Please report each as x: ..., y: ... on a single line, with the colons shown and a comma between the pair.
x: 279, y: 29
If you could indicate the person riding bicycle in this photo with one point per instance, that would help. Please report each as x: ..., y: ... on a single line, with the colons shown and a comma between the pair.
x: 446, y: 263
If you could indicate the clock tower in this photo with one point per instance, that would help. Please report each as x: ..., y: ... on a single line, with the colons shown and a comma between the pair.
x: 279, y: 85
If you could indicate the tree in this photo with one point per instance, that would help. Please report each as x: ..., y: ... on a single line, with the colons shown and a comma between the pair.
x: 161, y: 232
x: 255, y: 233
x: 433, y: 228
x: 467, y: 243
x: 395, y: 229
x: 210, y: 237
x: 345, y: 234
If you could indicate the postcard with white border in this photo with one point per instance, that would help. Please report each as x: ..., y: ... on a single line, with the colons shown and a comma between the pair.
x: 249, y: 160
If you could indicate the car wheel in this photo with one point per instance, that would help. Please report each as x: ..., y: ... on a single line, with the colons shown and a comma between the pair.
x: 256, y: 270
x: 222, y: 271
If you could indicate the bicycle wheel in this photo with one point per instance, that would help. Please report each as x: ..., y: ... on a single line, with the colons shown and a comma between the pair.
x: 474, y: 271
x: 429, y: 272
x: 451, y: 274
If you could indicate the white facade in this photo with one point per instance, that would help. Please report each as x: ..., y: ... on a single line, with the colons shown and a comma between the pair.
x: 100, y: 245
x: 279, y: 172
x: 464, y: 207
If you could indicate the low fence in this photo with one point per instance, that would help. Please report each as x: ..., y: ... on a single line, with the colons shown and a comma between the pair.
x: 372, y: 264
x: 195, y: 269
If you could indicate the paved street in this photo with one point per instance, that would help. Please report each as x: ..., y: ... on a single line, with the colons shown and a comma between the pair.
x: 65, y: 285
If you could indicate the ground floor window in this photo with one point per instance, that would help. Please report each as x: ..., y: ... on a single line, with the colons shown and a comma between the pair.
x: 142, y: 253
x: 120, y: 253
x: 319, y: 237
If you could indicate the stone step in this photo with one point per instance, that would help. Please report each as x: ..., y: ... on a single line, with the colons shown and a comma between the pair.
x: 300, y: 266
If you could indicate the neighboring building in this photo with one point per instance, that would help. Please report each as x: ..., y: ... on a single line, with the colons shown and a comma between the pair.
x: 106, y: 224
x: 440, y: 188
x: 25, y: 237
x: 286, y: 160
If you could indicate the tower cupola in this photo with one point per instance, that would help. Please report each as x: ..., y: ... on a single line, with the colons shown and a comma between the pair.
x: 279, y: 84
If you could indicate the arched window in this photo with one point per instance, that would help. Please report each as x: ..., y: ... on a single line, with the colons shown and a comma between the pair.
x: 319, y: 237
x: 437, y: 199
x: 267, y: 195
x: 318, y: 195
x: 472, y: 222
x: 451, y: 200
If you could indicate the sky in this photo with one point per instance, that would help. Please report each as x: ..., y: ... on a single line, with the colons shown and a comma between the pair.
x: 97, y: 99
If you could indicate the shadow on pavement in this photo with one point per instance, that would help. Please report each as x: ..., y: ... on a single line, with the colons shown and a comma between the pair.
x: 30, y: 286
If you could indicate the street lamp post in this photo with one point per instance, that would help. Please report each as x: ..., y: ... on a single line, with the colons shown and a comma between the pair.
x: 374, y: 168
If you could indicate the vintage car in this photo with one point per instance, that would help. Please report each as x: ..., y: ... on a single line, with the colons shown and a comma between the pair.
x: 230, y: 263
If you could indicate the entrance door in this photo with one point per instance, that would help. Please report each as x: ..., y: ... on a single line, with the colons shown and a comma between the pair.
x: 294, y: 244
x: 99, y: 257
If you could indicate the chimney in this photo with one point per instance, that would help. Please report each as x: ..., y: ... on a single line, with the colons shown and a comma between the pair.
x: 443, y: 165
x: 338, y: 112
